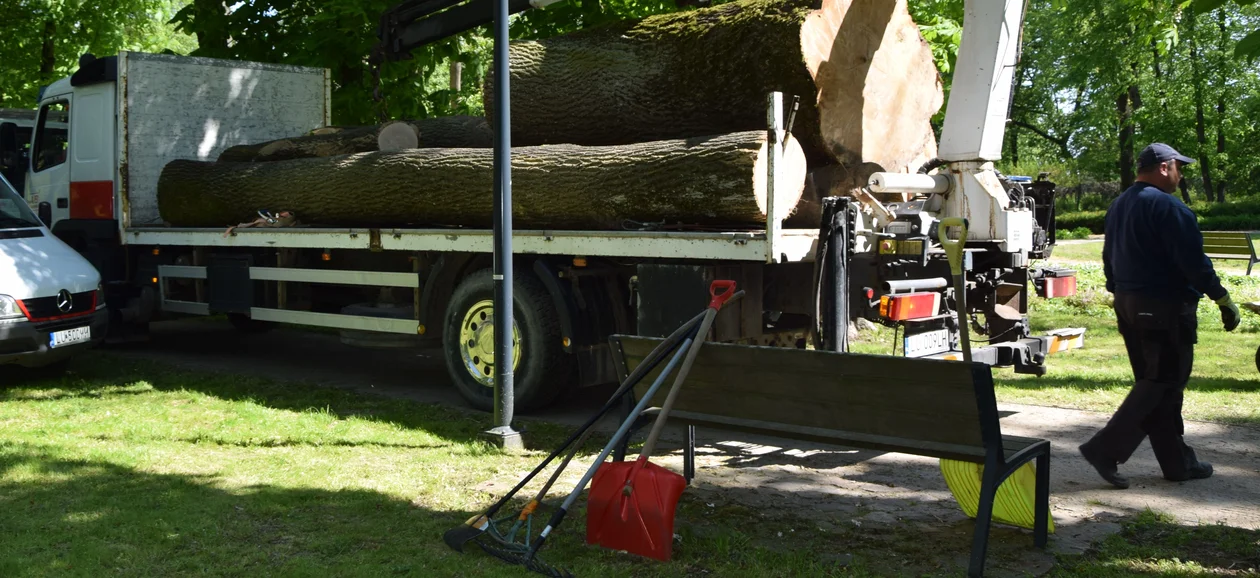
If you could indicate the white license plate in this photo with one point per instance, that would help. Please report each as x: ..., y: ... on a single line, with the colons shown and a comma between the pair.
x: 926, y: 343
x: 70, y: 336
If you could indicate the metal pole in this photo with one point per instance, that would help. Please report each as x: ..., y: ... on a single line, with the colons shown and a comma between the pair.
x: 503, y: 322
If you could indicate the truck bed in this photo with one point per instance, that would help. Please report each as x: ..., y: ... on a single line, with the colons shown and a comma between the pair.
x: 790, y: 244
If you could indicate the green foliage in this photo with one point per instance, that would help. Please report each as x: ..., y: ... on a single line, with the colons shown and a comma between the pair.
x: 42, y: 40
x: 1077, y: 233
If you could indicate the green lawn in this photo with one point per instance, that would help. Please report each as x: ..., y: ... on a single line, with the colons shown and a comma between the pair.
x: 129, y: 468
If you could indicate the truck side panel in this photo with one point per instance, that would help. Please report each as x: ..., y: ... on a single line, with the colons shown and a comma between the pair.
x: 177, y: 107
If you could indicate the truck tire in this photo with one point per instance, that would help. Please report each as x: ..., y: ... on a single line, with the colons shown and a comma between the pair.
x: 542, y: 368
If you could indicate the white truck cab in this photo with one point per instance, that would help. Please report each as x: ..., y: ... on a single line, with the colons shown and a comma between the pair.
x: 51, y: 302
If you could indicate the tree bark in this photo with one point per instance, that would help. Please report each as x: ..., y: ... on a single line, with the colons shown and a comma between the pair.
x: 439, y: 132
x: 715, y: 181
x: 708, y: 71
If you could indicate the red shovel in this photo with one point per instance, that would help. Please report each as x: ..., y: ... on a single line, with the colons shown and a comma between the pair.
x: 631, y: 505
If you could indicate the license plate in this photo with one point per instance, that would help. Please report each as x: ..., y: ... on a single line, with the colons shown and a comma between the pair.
x: 70, y: 336
x: 926, y: 343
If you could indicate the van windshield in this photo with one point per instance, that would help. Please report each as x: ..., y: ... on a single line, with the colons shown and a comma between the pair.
x: 14, y: 214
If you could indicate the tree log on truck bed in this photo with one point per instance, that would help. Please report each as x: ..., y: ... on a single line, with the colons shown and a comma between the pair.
x: 437, y: 132
x: 714, y: 181
x: 708, y: 71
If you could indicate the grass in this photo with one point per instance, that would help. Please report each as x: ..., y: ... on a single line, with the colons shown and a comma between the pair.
x: 134, y: 468
x: 1225, y: 384
x: 1155, y: 545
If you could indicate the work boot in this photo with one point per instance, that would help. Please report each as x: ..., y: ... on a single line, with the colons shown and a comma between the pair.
x: 1105, y: 467
x: 1198, y: 471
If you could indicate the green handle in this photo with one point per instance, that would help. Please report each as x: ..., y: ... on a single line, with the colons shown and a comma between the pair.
x: 953, y: 249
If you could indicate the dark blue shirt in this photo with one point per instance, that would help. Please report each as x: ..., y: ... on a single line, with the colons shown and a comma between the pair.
x: 1153, y: 247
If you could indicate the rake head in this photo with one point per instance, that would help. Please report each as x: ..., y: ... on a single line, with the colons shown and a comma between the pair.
x: 460, y: 535
x: 522, y: 558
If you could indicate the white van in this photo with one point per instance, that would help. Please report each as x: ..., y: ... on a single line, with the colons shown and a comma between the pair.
x: 51, y: 302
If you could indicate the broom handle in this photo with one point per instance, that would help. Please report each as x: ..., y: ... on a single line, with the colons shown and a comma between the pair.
x: 709, y: 314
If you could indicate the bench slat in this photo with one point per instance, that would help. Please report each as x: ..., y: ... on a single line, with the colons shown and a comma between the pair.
x: 866, y: 394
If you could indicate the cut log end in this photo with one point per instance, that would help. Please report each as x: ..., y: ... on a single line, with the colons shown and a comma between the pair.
x: 878, y: 86
x: 397, y: 136
x: 791, y: 168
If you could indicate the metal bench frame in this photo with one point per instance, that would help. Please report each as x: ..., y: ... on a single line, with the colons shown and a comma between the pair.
x: 1001, y: 455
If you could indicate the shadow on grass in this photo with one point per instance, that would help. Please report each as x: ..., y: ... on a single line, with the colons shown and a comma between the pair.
x: 70, y: 517
x: 1080, y: 384
x: 98, y: 375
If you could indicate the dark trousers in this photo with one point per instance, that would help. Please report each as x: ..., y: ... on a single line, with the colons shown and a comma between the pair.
x: 1160, y: 337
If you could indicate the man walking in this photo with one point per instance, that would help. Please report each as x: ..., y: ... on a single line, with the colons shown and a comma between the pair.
x: 1154, y: 264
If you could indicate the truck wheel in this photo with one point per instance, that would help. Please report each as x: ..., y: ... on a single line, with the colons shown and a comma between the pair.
x: 541, y: 367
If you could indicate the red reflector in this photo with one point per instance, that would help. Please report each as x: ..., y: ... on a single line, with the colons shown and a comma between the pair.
x: 92, y: 200
x: 911, y: 305
x: 1059, y: 287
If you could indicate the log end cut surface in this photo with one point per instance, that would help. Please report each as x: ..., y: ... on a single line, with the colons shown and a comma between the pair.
x: 878, y: 86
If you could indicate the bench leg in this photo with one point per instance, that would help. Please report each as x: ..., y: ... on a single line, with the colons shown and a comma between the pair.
x: 689, y: 455
x: 1249, y: 264
x: 1041, y: 514
x: 984, y: 517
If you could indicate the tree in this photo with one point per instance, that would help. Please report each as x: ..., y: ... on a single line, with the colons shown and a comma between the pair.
x: 42, y: 40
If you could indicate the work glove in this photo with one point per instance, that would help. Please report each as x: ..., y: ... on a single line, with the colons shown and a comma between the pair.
x: 1230, y: 316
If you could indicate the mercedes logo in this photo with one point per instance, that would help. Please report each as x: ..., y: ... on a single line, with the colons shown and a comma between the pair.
x: 65, y: 302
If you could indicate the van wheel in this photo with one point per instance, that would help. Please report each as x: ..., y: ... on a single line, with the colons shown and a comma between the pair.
x: 246, y: 324
x: 542, y: 369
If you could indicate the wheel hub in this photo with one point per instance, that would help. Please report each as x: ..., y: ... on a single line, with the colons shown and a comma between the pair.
x: 476, y: 342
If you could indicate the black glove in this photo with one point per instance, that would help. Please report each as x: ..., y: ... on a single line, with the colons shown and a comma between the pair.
x: 1230, y: 316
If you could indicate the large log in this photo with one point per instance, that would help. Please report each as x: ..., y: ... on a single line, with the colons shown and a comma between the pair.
x: 715, y: 181
x: 885, y: 120
x: 708, y: 71
x: 437, y: 132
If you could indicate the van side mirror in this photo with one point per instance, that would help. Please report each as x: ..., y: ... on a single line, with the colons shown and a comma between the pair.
x: 45, y: 213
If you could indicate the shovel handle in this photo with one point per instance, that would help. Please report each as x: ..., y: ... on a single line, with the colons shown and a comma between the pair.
x: 953, y: 249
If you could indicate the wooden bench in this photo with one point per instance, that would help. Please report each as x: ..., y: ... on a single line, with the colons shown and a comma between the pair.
x: 1230, y: 245
x: 942, y: 409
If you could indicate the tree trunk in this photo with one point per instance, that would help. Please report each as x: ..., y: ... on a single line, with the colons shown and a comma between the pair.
x: 1200, y: 131
x: 1220, y: 103
x: 439, y: 132
x: 715, y: 181
x: 708, y: 71
x: 1126, y: 141
x: 48, y: 52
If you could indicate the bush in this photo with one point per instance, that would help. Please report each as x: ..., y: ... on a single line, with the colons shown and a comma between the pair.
x: 1077, y: 233
x: 1091, y: 221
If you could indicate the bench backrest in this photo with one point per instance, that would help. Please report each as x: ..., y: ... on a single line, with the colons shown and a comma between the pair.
x: 941, y: 408
x: 1227, y: 243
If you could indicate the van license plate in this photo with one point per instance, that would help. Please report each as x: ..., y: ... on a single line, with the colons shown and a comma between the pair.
x: 70, y: 336
x: 926, y: 343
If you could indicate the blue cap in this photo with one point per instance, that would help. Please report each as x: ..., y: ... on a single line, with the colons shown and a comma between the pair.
x: 1159, y: 152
